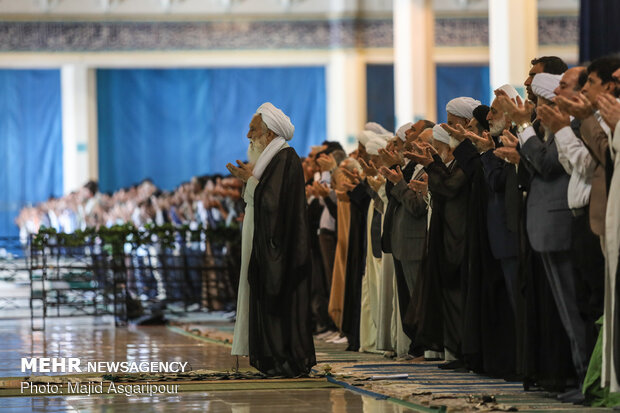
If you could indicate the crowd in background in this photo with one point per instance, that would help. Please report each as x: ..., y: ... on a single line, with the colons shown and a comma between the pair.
x: 203, y: 201
x: 156, y: 272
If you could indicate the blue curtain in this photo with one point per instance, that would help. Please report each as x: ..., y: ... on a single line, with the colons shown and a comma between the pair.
x: 599, y: 31
x: 170, y: 125
x: 455, y: 81
x: 452, y: 81
x: 31, y: 139
x: 380, y: 95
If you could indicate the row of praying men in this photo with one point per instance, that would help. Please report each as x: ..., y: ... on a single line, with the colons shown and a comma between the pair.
x: 490, y: 242
x: 203, y: 201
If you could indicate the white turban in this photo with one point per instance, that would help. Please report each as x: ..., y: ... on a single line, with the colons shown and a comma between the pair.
x: 441, y: 135
x: 385, y: 136
x: 510, y: 90
x: 544, y: 84
x: 376, y: 128
x: 376, y: 143
x: 401, y: 131
x: 276, y: 120
x: 462, y: 107
x: 364, y: 136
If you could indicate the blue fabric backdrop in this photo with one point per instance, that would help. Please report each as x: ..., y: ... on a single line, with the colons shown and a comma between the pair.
x: 380, y: 95
x: 455, y: 81
x: 452, y: 81
x: 172, y: 124
x: 31, y: 139
x: 599, y: 31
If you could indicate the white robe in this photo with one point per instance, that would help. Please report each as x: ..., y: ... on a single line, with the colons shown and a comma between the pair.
x: 241, y: 345
x: 612, y: 247
x: 241, y: 337
x: 369, y: 315
x: 390, y: 333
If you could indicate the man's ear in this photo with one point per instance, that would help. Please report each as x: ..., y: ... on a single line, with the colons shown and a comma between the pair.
x: 610, y: 87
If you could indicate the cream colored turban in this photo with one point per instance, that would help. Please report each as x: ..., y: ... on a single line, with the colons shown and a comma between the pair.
x: 364, y: 136
x: 376, y: 143
x: 376, y: 128
x: 276, y: 120
x: 401, y: 131
x: 462, y: 107
x: 510, y: 90
x: 440, y: 134
x: 544, y: 84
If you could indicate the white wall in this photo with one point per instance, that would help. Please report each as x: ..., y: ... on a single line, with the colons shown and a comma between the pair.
x: 197, y: 9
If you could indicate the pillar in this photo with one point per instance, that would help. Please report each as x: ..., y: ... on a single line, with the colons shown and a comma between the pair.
x: 414, y: 66
x: 79, y: 126
x: 346, y: 96
x: 513, y: 41
x: 345, y: 83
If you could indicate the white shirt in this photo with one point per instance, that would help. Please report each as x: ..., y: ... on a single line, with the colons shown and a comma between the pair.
x: 578, y: 163
x: 327, y: 221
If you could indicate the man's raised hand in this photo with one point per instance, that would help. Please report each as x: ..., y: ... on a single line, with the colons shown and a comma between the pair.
x: 369, y: 168
x: 394, y: 176
x: 578, y: 106
x: 375, y: 182
x: 553, y: 117
x: 508, y: 139
x: 459, y: 133
x: 243, y: 171
x: 326, y: 162
x: 610, y: 109
x: 517, y: 110
x: 508, y: 154
x: 484, y: 143
x: 390, y: 158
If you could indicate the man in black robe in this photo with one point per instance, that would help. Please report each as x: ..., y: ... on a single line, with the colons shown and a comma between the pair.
x: 279, y: 272
x: 488, y: 330
x: 449, y: 189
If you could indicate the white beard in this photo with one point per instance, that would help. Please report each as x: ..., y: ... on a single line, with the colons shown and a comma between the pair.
x: 443, y: 156
x: 454, y: 143
x: 547, y: 134
x: 497, y: 127
x: 254, y: 152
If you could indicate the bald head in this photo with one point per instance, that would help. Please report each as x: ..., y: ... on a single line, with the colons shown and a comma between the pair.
x: 569, y: 84
x: 426, y: 136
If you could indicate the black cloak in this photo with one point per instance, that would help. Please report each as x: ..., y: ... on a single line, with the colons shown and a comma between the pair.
x: 449, y: 187
x: 356, y: 265
x: 489, y: 329
x: 279, y: 274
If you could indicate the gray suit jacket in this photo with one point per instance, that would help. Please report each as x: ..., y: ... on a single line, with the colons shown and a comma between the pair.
x: 549, y: 219
x: 409, y: 223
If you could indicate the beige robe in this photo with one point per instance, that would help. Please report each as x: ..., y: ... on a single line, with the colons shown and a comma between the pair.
x: 336, y: 297
x: 612, y: 249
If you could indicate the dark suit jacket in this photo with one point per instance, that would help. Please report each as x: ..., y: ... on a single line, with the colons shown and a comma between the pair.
x: 409, y: 223
x: 388, y: 219
x: 549, y: 220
